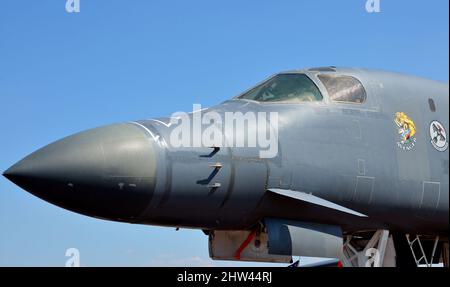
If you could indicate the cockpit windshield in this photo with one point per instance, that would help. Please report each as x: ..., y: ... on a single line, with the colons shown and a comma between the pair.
x: 290, y: 88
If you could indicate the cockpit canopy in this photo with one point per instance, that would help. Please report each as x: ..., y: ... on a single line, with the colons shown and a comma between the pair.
x: 298, y: 88
x: 290, y: 88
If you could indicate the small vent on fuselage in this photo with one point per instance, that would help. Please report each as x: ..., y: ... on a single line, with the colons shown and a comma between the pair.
x: 432, y: 104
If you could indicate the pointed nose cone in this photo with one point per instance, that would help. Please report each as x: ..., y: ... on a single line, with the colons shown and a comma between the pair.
x: 107, y: 172
x: 9, y: 173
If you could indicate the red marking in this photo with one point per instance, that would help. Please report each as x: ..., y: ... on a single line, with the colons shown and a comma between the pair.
x: 244, y: 244
x: 339, y: 265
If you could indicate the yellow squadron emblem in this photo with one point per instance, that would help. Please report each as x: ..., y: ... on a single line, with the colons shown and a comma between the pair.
x: 406, y: 131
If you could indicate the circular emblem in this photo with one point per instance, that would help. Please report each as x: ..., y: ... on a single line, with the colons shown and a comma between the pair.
x: 406, y: 131
x: 438, y: 136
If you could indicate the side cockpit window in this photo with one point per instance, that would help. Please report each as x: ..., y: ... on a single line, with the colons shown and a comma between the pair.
x: 343, y: 88
x: 285, y: 88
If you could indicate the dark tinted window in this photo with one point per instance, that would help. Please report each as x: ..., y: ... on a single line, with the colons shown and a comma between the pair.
x: 343, y: 88
x: 291, y: 88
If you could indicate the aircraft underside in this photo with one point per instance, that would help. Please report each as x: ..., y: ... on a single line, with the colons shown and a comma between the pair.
x: 278, y: 240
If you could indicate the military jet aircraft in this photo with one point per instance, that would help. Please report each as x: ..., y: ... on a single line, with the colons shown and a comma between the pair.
x: 357, y: 170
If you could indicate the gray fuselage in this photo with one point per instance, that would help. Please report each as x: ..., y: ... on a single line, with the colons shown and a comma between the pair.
x: 346, y: 153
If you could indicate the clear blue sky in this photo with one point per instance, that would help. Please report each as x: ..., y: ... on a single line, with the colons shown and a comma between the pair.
x: 123, y: 60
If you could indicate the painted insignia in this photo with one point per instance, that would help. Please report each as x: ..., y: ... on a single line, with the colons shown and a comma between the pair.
x: 438, y: 136
x: 406, y: 131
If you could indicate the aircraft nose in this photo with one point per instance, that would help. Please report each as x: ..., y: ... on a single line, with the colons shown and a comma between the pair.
x: 107, y: 172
